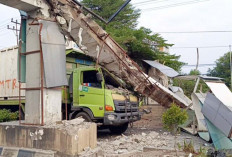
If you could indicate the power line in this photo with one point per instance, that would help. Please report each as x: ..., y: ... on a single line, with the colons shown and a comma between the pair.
x: 15, y: 28
x: 6, y: 21
x: 195, y: 32
x: 150, y: 1
x: 198, y: 47
x: 173, y: 5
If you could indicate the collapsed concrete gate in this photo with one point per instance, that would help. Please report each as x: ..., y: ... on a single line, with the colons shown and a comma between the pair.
x: 97, y: 43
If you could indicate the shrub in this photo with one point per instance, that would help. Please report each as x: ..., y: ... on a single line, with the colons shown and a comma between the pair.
x: 7, y: 115
x: 174, y: 117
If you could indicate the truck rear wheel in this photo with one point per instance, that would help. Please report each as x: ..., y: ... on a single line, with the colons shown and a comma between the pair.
x: 84, y: 115
x: 119, y: 129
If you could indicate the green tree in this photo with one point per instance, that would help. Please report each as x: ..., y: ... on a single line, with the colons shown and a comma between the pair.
x: 140, y: 43
x: 222, y: 69
x: 106, y: 8
x: 188, y: 86
x: 194, y: 72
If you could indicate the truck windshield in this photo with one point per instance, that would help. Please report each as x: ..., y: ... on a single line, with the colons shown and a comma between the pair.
x: 90, y: 79
x: 111, y: 81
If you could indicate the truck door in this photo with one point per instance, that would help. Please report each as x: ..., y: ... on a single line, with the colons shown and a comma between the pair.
x: 91, y: 93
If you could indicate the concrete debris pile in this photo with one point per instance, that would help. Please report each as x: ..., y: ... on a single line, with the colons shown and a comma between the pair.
x: 71, y: 127
x: 138, y: 143
x: 97, y: 43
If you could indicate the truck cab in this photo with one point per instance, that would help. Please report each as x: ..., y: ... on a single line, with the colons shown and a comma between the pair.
x: 97, y: 95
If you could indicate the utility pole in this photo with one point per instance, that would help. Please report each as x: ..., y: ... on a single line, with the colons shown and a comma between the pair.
x: 230, y: 67
x: 197, y: 60
x: 15, y: 28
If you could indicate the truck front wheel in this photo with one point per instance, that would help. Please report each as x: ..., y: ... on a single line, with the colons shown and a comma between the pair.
x: 84, y: 115
x: 119, y: 129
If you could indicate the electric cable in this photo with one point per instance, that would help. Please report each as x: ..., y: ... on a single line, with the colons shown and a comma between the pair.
x: 195, y: 32
x: 173, y: 5
x: 198, y: 47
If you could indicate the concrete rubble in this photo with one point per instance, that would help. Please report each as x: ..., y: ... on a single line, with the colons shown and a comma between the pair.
x: 136, y: 144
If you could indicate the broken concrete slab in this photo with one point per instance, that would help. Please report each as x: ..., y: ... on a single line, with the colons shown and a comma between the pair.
x: 67, y: 138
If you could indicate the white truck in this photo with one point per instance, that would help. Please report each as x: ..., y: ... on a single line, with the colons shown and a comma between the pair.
x: 9, y: 86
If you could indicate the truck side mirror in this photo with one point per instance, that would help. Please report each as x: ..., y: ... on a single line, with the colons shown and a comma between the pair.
x: 99, y: 77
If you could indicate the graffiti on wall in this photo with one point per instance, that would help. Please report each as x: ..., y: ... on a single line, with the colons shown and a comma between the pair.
x: 8, y: 87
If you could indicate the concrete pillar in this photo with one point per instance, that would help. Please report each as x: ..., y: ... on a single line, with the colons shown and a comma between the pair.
x: 51, y: 98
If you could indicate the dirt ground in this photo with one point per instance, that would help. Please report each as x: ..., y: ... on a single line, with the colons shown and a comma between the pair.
x: 152, y: 120
x: 146, y: 138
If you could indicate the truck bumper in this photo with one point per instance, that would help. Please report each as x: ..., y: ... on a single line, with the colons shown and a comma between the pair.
x: 121, y: 118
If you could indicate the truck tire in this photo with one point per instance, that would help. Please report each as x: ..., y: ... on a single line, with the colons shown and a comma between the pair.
x: 119, y: 129
x: 84, y: 115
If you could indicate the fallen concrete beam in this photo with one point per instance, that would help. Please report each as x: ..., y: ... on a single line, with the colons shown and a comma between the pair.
x: 97, y: 43
x: 66, y: 138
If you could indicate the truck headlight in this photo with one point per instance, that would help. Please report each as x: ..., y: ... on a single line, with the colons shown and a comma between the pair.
x: 111, y: 117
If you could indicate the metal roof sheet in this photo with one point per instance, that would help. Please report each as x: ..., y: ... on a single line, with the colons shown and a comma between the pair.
x: 222, y: 92
x: 211, y: 78
x: 164, y: 69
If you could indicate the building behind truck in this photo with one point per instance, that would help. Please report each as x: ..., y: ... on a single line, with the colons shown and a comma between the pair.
x: 93, y: 93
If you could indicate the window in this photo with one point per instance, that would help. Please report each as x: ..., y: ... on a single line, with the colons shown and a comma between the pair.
x: 90, y: 79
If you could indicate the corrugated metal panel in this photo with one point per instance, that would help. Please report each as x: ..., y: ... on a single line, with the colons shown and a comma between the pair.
x: 220, y: 141
x: 54, y: 55
x: 9, y: 86
x: 218, y: 114
x: 222, y: 92
x: 164, y: 69
x: 211, y: 78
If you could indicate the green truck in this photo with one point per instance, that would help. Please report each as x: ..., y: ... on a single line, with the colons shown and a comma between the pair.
x: 93, y: 94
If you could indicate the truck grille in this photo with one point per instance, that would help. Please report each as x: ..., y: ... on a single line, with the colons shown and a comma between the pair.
x: 126, y: 106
